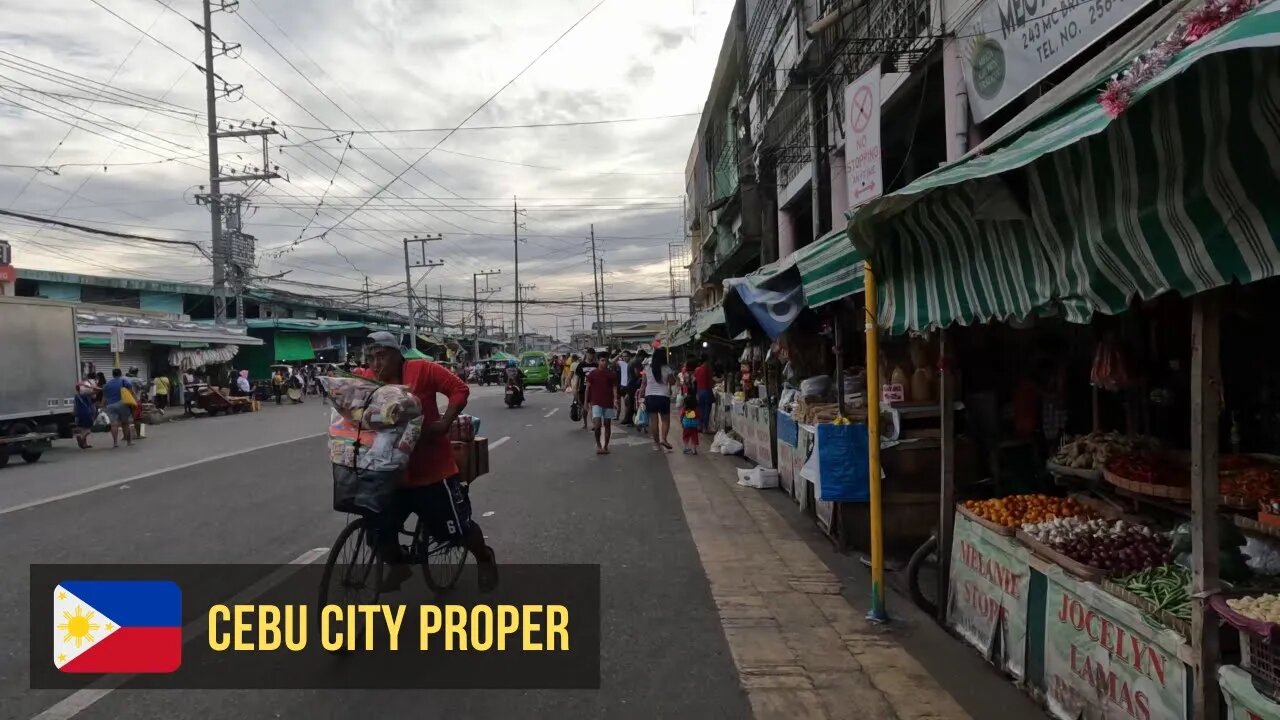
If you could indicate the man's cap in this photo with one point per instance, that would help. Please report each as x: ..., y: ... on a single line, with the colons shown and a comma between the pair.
x: 384, y: 339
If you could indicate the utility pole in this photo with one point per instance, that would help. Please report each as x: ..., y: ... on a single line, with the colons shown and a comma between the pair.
x: 604, y: 318
x: 475, y: 304
x: 516, y: 212
x: 596, y: 282
x: 582, y: 305
x: 367, y: 297
x: 222, y: 255
x: 520, y: 326
x: 420, y: 262
x: 440, y: 308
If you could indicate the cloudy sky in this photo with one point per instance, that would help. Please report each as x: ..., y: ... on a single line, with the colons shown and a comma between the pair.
x: 115, y: 113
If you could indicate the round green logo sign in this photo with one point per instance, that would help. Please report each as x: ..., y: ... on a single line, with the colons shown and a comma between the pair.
x: 988, y: 68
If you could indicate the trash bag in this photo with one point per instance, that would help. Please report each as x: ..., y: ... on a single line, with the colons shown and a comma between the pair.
x: 726, y: 444
x: 758, y: 477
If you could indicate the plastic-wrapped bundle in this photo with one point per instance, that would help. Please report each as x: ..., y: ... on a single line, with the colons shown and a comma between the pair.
x: 373, y: 430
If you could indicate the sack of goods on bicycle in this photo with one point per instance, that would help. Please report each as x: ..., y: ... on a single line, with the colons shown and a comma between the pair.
x: 380, y: 440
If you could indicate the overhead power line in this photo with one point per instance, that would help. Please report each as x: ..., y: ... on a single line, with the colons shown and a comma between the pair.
x: 475, y: 112
x: 107, y: 233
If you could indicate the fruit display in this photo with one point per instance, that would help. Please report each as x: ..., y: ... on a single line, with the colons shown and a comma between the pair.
x: 1016, y: 510
x: 1117, y: 547
x: 1092, y: 451
x: 1261, y: 607
x: 1247, y: 481
x: 1168, y: 587
x: 1149, y: 468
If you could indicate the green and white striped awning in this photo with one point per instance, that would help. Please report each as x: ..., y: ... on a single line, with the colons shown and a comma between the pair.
x: 830, y: 269
x: 1083, y: 213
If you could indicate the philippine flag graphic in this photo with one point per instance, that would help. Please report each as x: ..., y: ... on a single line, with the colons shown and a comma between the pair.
x: 117, y: 626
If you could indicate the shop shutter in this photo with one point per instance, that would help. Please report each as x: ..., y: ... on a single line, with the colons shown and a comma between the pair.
x: 135, y: 355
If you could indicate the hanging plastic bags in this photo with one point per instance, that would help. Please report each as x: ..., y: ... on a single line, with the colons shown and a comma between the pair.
x: 372, y: 432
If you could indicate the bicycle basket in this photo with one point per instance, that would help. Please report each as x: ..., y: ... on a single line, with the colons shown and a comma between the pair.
x: 363, y: 491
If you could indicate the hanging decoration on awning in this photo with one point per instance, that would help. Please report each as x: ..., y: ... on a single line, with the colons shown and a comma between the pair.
x: 1195, y: 25
x: 198, y: 358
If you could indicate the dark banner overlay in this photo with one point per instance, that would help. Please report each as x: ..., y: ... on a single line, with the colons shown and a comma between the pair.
x: 263, y: 627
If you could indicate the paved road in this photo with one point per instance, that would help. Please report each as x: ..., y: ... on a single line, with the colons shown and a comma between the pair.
x: 552, y: 500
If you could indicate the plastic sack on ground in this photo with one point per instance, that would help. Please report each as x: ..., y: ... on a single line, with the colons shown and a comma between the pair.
x: 757, y: 477
x: 726, y: 444
x: 373, y: 430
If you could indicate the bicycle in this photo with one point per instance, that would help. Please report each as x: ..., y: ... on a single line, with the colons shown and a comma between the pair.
x: 363, y: 565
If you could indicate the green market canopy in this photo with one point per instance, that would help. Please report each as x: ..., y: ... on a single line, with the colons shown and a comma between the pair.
x: 1081, y: 213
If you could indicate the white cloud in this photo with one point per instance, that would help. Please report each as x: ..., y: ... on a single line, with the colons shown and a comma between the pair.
x: 387, y: 63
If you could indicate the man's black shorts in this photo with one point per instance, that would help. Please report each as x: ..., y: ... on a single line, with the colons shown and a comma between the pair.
x: 444, y: 507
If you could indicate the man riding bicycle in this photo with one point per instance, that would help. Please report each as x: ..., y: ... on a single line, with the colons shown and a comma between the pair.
x: 431, y: 487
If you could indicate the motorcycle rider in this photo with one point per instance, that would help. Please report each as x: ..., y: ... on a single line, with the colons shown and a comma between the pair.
x: 515, y: 376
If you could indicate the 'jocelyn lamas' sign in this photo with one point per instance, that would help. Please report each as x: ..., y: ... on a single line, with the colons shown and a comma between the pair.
x: 990, y: 579
x: 1102, y: 661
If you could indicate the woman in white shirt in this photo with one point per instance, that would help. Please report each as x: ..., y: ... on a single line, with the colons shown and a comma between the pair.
x: 658, y: 381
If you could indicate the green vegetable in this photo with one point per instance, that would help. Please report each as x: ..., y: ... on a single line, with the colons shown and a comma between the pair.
x: 1167, y: 587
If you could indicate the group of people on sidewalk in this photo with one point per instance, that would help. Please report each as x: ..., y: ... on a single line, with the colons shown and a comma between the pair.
x: 642, y: 391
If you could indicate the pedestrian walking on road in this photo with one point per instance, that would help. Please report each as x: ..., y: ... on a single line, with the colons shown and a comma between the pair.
x: 86, y: 413
x: 626, y: 394
x: 689, y: 424
x: 658, y: 381
x: 161, y: 392
x: 602, y: 393
x: 118, y: 411
x: 705, y: 382
x: 586, y: 367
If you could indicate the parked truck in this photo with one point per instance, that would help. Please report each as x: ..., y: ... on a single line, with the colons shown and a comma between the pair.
x: 39, y: 368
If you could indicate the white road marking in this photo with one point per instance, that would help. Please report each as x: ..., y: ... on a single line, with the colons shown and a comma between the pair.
x: 499, y: 442
x: 150, y: 473
x: 80, y: 700
x: 552, y: 412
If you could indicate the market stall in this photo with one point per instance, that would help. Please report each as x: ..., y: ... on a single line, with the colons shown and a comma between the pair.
x: 1115, y: 219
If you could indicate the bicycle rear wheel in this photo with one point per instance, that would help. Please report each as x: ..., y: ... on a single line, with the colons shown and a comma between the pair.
x: 353, y: 569
x: 442, y: 563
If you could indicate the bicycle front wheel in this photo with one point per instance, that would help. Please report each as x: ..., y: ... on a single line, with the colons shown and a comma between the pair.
x: 353, y: 569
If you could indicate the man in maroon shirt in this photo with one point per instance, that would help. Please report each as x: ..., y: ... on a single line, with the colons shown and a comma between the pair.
x: 705, y: 381
x: 431, y: 486
x: 602, y: 397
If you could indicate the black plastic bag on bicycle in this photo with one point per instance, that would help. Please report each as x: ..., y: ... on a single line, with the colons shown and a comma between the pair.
x: 363, y: 491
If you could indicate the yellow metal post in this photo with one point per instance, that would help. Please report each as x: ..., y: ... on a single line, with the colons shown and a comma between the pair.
x: 878, y: 611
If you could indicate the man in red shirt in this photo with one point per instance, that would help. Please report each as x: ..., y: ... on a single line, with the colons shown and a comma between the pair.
x: 431, y: 487
x: 602, y: 397
x: 705, y: 381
